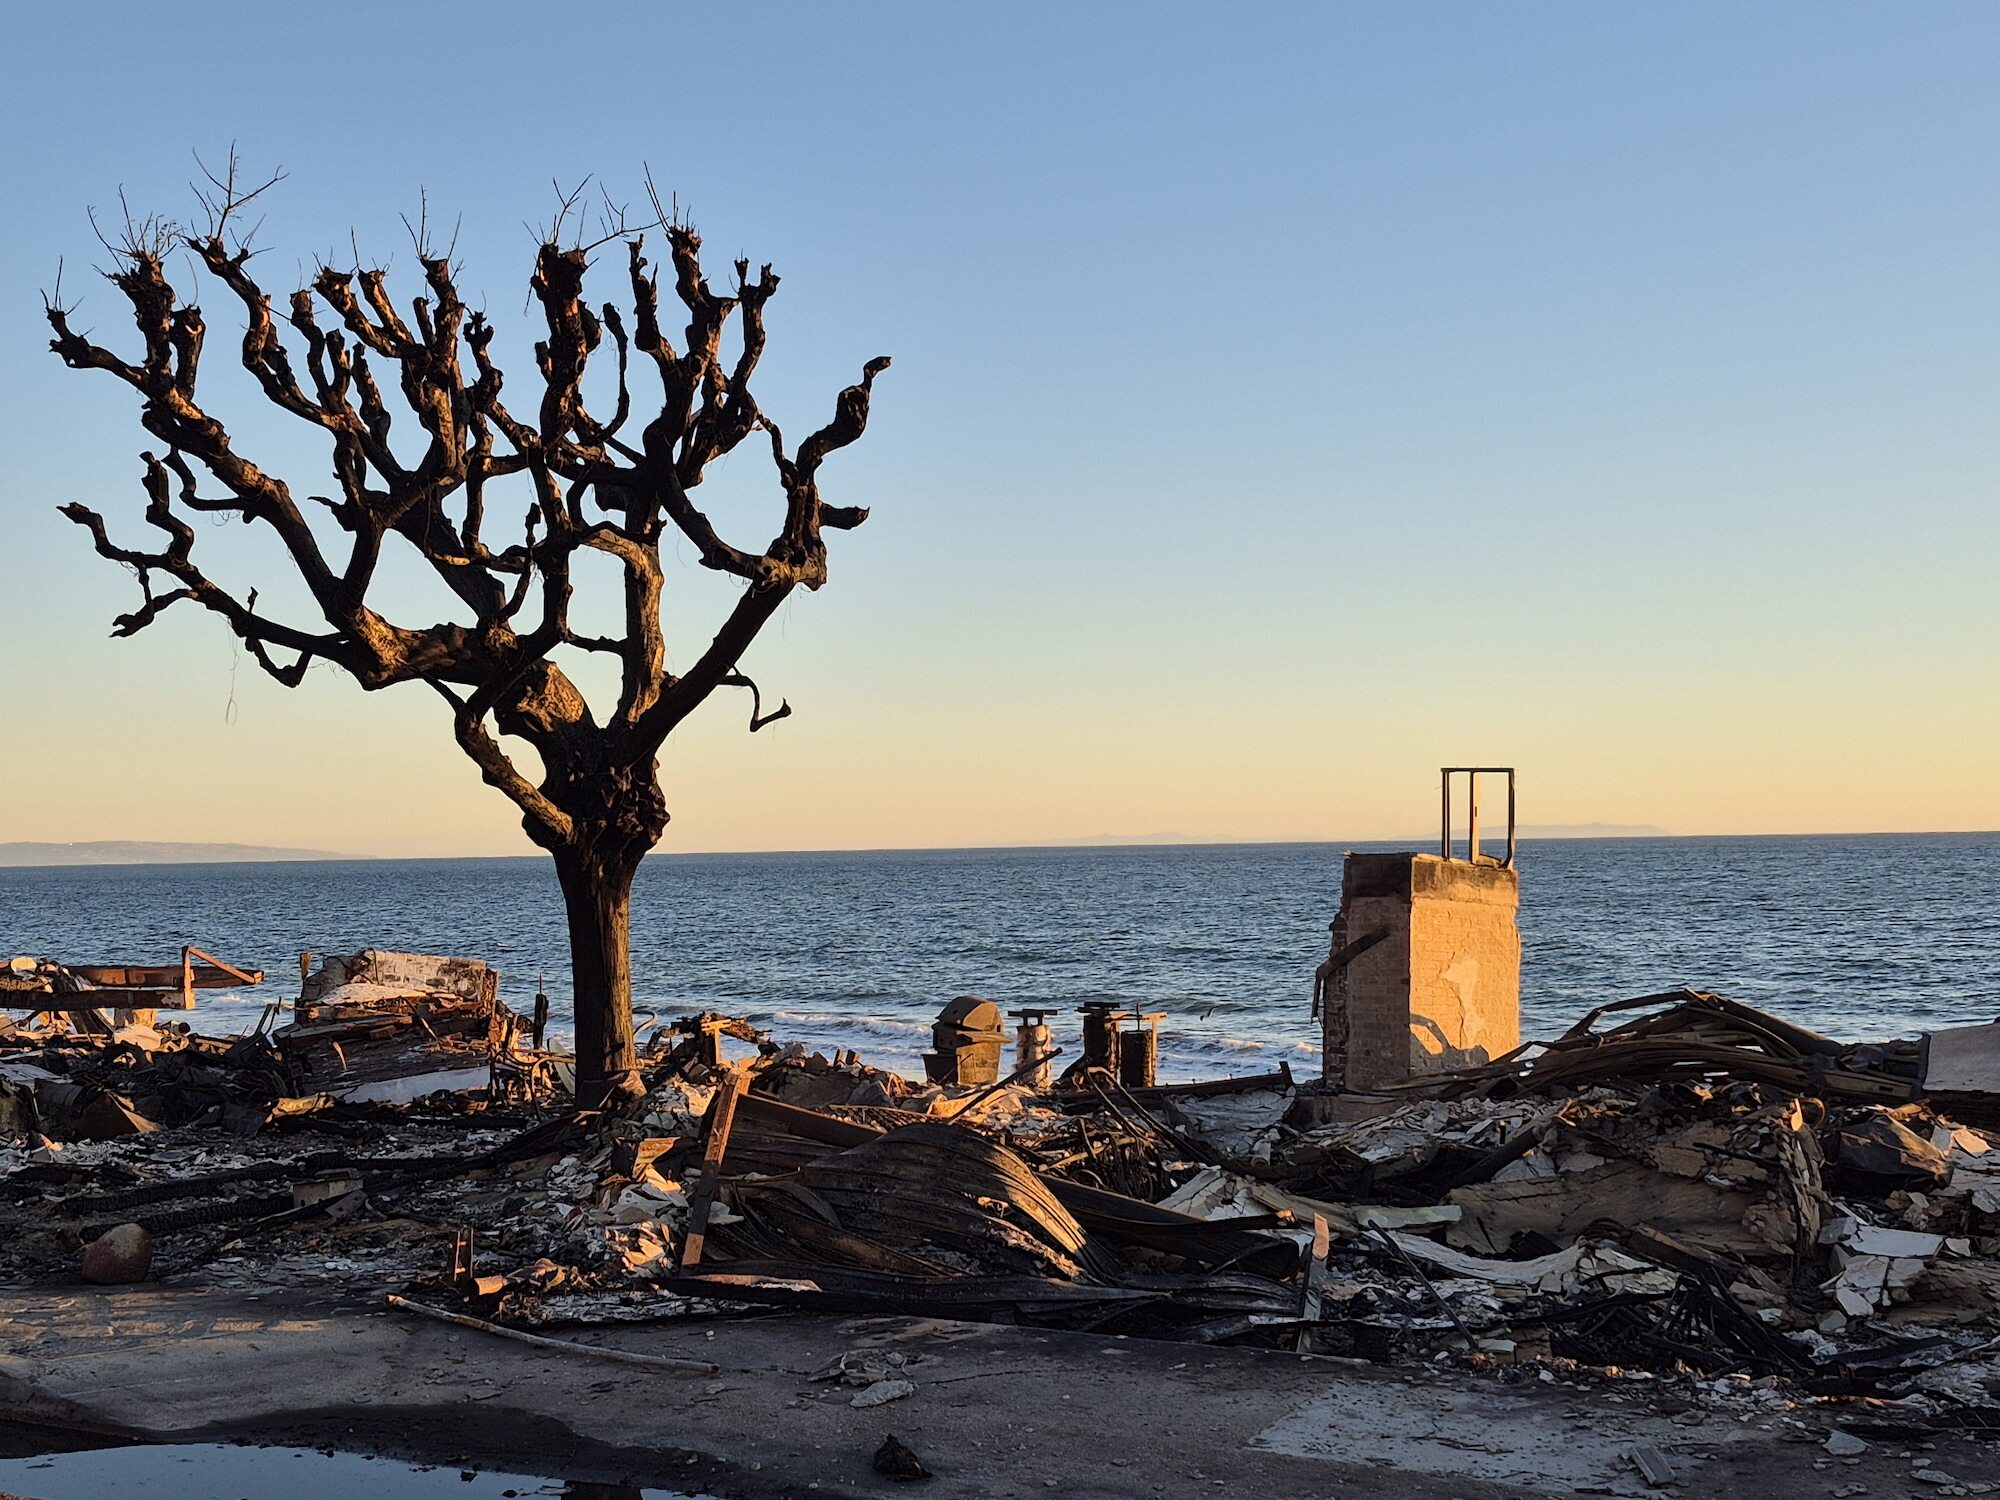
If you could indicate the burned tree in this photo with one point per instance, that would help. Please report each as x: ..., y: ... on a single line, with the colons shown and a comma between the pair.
x: 595, y: 801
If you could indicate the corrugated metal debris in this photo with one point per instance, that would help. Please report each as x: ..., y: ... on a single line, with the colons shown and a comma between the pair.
x: 1680, y: 1186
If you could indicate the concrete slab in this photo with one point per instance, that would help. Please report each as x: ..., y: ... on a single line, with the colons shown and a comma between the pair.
x: 997, y: 1411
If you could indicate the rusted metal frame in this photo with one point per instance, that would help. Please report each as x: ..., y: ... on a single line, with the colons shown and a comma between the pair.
x: 1206, y: 1158
x: 1688, y: 1009
x: 722, y: 1115
x: 790, y: 1219
x: 1189, y: 1146
x: 988, y: 1236
x: 1661, y: 1058
x: 912, y: 1150
x: 897, y: 1186
x: 1472, y: 775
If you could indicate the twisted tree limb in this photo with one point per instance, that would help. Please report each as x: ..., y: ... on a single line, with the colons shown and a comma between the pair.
x: 410, y: 402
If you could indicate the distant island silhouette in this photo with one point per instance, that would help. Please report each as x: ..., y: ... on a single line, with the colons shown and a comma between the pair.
x: 1489, y: 828
x: 1589, y: 831
x: 137, y: 852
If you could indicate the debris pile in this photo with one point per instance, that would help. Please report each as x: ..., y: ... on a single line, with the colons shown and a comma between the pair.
x: 395, y: 1026
x: 369, y: 1027
x: 1696, y: 1190
x: 1680, y: 1187
x: 85, y: 1086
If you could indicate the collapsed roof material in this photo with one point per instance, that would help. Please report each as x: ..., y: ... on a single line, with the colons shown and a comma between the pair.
x: 1696, y: 1188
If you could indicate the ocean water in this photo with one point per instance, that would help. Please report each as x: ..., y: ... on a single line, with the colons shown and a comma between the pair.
x: 1862, y: 936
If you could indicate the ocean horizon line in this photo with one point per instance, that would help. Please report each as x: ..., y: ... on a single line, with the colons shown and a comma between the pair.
x: 1418, y: 845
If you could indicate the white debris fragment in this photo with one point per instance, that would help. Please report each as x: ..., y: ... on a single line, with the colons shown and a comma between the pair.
x: 1897, y: 1244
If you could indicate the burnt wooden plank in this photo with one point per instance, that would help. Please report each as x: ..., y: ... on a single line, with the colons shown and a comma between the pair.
x: 721, y: 1117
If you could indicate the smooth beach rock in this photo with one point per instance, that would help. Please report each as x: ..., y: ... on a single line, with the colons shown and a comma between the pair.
x: 118, y: 1255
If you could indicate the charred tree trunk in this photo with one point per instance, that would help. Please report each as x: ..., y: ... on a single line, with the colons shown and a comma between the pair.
x: 597, y: 896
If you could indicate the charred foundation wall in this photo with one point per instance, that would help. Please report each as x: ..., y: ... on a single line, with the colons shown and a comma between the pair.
x: 1441, y: 987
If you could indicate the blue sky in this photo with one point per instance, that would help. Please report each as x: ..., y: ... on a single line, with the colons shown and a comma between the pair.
x: 1287, y: 400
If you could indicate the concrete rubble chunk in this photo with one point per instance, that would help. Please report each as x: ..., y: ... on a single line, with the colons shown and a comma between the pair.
x: 1844, y: 1444
x: 1963, y: 1059
x: 1652, y: 1465
x: 1897, y: 1244
x: 119, y: 1256
x: 896, y: 1460
x: 882, y: 1392
x: 1956, y: 1139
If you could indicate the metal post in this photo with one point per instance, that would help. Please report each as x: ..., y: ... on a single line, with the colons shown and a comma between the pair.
x: 1472, y: 816
x: 1444, y: 843
x: 1510, y: 817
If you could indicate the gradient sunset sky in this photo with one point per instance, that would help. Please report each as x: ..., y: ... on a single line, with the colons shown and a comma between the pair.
x: 1287, y: 401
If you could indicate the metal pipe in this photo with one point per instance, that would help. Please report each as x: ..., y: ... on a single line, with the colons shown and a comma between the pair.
x: 565, y: 1346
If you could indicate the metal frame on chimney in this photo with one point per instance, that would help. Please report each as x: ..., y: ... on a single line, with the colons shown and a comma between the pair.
x: 1472, y: 775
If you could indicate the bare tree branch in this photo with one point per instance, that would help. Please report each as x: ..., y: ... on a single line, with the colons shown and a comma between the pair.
x: 409, y: 400
x: 758, y: 718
